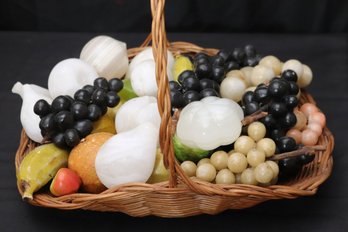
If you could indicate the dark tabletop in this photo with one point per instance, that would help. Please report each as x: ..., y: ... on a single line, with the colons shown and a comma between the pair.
x: 29, y: 57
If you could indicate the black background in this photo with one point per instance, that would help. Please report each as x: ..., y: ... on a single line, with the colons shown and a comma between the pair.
x: 276, y: 16
x: 29, y: 56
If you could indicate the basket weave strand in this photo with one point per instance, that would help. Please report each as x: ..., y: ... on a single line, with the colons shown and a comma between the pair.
x: 182, y: 196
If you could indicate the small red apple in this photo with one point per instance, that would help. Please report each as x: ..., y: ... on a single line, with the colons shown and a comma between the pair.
x: 65, y: 182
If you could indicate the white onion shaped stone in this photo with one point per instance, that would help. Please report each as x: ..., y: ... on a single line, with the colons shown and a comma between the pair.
x: 107, y: 55
x: 209, y: 123
x: 137, y: 111
x: 70, y: 75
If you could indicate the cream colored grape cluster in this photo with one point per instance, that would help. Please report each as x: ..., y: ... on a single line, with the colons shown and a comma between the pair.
x: 245, y: 164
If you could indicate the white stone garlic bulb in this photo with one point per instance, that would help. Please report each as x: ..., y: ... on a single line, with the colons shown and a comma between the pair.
x: 30, y: 94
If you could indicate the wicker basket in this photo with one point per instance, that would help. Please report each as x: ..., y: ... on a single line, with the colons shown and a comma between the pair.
x: 182, y: 196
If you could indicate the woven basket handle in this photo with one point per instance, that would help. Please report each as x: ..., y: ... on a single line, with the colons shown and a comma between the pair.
x: 159, y: 48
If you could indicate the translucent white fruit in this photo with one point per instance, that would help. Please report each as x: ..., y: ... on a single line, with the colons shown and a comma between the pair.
x: 225, y: 176
x: 143, y: 79
x: 275, y: 168
x: 248, y: 177
x: 189, y: 168
x: 306, y: 78
x: 237, y: 162
x: 247, y: 71
x: 272, y: 62
x: 294, y: 65
x: 147, y: 54
x: 263, y: 173
x: 232, y: 88
x: 30, y: 94
x: 137, y: 111
x: 128, y: 156
x: 203, y: 161
x: 267, y: 145
x: 219, y: 160
x: 244, y: 144
x: 261, y: 74
x: 206, y: 172
x: 255, y: 157
x: 70, y: 75
x: 108, y: 56
x: 256, y: 131
x: 209, y: 123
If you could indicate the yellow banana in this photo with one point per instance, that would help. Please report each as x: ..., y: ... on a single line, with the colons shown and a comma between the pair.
x: 182, y: 63
x: 39, y: 167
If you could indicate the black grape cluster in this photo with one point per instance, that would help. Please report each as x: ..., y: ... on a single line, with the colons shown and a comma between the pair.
x: 278, y: 99
x: 67, y: 120
x: 209, y: 72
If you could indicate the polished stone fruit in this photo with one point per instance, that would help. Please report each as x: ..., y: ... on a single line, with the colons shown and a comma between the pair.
x: 65, y: 182
x: 82, y: 159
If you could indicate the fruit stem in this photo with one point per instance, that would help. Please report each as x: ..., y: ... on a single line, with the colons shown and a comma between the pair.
x: 301, y: 151
x: 253, y: 117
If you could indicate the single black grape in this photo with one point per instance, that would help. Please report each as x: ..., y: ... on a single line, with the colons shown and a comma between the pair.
x: 251, y: 61
x: 305, y: 158
x: 102, y: 83
x: 83, y: 96
x: 112, y: 99
x: 103, y: 108
x: 79, y: 110
x: 200, y: 55
x: 289, y: 120
x: 89, y: 88
x: 42, y: 108
x: 174, y: 85
x: 47, y: 125
x: 261, y: 95
x: 277, y: 89
x: 83, y: 127
x: 94, y: 112
x: 239, y: 55
x: 209, y: 92
x: 99, y: 97
x: 191, y: 96
x: 115, y: 84
x: 269, y: 122
x: 59, y: 141
x: 218, y: 74
x: 289, y: 75
x: 203, y: 70
x: 191, y: 83
x: 60, y: 103
x: 185, y: 74
x: 288, y: 167
x: 177, y: 99
x: 218, y: 61
x: 278, y: 109
x: 251, y: 107
x: 286, y: 144
x: 208, y: 83
x: 231, y: 65
x: 247, y: 97
x: 294, y: 89
x: 71, y: 137
x: 276, y: 134
x: 290, y: 101
x: 225, y: 55
x: 64, y: 120
x: 250, y: 50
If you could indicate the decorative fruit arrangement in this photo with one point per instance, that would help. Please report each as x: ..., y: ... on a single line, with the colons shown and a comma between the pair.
x: 237, y: 120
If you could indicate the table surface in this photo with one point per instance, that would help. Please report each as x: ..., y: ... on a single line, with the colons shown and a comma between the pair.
x: 28, y: 57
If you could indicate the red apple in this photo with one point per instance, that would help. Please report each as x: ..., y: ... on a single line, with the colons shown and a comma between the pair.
x: 65, y: 182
